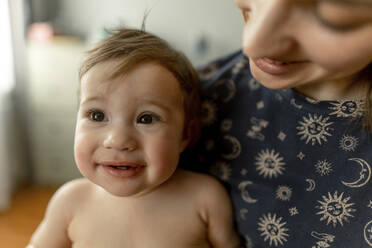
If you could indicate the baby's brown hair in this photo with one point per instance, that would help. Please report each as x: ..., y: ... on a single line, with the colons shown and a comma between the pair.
x: 132, y: 47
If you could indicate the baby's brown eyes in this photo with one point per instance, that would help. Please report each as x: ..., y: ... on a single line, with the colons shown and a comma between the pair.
x: 147, y: 119
x: 97, y: 115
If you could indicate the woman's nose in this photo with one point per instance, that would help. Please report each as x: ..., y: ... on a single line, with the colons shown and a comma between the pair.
x: 120, y: 138
x: 268, y: 31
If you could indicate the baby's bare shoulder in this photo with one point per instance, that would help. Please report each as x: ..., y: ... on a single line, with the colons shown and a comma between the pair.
x: 72, y: 193
x: 199, y: 183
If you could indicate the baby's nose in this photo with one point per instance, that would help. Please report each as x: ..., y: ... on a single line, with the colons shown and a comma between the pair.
x: 120, y: 139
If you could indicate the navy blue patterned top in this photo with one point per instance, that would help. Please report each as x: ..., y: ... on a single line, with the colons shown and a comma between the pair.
x: 298, y: 170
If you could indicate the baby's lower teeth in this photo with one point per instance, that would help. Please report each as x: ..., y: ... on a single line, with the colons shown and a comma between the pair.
x: 123, y: 167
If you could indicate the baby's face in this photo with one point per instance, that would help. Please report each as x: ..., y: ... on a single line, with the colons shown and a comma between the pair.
x: 129, y: 130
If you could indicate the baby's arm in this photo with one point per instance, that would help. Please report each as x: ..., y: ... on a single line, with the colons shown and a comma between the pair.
x: 52, y: 232
x: 219, y: 216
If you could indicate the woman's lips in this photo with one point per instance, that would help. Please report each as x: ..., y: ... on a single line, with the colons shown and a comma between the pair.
x: 275, y: 67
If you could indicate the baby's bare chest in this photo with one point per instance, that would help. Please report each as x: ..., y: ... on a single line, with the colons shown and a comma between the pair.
x: 151, y: 225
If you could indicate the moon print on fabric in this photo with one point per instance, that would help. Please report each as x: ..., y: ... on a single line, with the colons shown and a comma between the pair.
x: 368, y: 233
x: 323, y: 167
x: 269, y: 163
x: 347, y: 108
x: 364, y: 175
x: 324, y: 239
x: 231, y: 147
x: 335, y: 209
x: 244, y: 192
x: 273, y: 229
x: 208, y: 113
x: 225, y: 90
x: 314, y: 129
x: 311, y: 183
x: 348, y: 143
x: 283, y: 193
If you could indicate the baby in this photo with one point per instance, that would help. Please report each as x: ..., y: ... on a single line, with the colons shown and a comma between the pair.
x: 139, y: 109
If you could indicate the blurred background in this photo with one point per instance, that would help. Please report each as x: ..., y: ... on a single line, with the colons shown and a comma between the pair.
x: 42, y: 44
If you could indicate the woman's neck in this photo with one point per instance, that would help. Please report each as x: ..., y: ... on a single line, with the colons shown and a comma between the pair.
x: 334, y: 90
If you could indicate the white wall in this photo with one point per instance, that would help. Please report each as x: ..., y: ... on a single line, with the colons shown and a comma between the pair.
x: 181, y: 22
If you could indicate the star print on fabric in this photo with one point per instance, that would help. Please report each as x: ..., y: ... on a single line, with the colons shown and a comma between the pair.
x: 370, y: 204
x: 301, y: 156
x: 293, y: 211
x: 282, y: 136
x: 323, y: 167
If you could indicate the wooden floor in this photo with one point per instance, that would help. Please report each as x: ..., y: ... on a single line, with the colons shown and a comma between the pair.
x: 25, y: 214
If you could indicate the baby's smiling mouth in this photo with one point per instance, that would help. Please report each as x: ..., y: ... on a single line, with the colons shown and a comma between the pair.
x: 122, y: 165
x: 122, y: 169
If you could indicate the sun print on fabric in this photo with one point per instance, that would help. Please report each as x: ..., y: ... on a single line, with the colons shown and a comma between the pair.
x: 269, y: 163
x: 273, y: 229
x: 314, y: 129
x: 335, y: 209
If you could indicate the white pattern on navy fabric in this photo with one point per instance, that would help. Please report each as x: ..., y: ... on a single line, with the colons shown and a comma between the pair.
x: 323, y: 167
x: 243, y: 212
x: 311, y: 183
x: 221, y: 170
x: 282, y: 136
x: 269, y: 163
x: 225, y: 90
x: 324, y: 239
x: 273, y: 229
x: 244, y: 192
x: 260, y: 105
x: 293, y: 102
x: 253, y: 84
x: 283, y: 193
x: 364, y: 175
x: 335, y: 209
x: 208, y: 72
x: 314, y: 129
x: 208, y: 113
x: 293, y: 211
x: 368, y: 233
x: 301, y: 155
x: 348, y: 143
x: 255, y: 130
x: 347, y: 108
x: 234, y: 147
